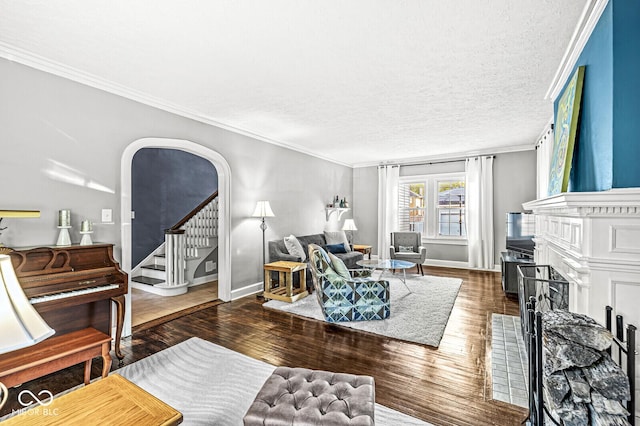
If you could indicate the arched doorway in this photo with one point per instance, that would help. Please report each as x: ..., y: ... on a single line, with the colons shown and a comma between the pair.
x: 224, y: 191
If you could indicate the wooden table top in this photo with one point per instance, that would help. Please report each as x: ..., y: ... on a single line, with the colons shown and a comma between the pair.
x: 285, y: 266
x: 110, y: 401
x: 361, y: 247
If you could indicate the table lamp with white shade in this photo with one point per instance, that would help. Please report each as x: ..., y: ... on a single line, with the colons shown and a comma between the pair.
x: 20, y: 323
x: 349, y: 225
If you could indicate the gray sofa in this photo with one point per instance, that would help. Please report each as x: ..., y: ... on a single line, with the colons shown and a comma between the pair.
x: 278, y: 251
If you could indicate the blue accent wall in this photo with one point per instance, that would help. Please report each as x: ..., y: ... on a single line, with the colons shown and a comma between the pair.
x: 166, y: 185
x: 607, y: 145
x: 626, y: 94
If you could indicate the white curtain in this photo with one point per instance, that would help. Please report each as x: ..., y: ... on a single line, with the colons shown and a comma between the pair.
x: 544, y: 148
x: 479, y: 205
x: 388, y: 177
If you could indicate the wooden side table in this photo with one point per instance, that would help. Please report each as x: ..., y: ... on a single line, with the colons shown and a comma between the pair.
x: 285, y: 291
x: 110, y: 401
x: 362, y: 248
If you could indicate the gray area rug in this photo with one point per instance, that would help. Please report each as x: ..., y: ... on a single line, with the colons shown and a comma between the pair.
x: 420, y: 316
x: 213, y: 385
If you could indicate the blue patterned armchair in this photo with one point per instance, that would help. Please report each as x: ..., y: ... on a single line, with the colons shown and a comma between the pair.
x: 343, y: 297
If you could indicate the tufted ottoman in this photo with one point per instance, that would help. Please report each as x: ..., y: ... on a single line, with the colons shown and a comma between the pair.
x: 298, y: 396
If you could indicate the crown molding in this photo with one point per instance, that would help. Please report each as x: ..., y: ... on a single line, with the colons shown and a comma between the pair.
x: 587, y: 22
x: 447, y: 157
x: 24, y: 57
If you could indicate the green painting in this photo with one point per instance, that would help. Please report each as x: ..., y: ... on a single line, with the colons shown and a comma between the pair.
x: 566, y: 126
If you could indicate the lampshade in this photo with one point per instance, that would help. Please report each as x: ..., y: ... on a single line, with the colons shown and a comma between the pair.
x: 263, y: 209
x: 20, y: 323
x: 349, y: 225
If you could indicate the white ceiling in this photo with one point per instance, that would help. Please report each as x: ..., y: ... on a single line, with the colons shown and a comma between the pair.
x: 358, y: 82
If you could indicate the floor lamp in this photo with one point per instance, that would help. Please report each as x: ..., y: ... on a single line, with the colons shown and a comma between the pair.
x: 263, y: 209
x: 20, y: 323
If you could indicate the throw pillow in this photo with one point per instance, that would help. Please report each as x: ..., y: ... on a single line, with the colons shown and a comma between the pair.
x: 294, y: 247
x: 405, y: 249
x: 336, y: 248
x: 337, y: 237
x: 338, y: 265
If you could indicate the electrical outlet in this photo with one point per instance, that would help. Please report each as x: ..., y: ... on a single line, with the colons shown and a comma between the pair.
x: 209, y: 266
x: 107, y: 215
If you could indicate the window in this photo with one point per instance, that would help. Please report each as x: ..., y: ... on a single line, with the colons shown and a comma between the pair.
x: 411, y: 207
x: 433, y: 205
x: 451, y: 194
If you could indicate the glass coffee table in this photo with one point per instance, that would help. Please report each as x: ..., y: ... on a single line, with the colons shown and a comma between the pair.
x: 388, y: 264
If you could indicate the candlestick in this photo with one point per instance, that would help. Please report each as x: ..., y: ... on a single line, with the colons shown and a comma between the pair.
x: 86, y: 238
x: 64, y: 239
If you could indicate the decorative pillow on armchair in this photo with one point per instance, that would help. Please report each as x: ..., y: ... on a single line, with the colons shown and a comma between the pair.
x: 405, y: 249
x: 294, y: 247
x: 337, y: 237
x: 339, y: 266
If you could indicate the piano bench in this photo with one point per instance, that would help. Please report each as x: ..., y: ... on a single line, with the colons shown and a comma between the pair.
x: 55, y: 354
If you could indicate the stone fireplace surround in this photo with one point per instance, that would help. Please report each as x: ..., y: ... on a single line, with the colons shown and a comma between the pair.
x: 593, y: 240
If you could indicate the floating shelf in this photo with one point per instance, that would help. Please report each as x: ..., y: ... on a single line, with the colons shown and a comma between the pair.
x: 339, y: 210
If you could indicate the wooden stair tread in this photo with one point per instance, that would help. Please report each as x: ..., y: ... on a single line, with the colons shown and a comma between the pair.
x: 147, y: 280
x: 154, y: 267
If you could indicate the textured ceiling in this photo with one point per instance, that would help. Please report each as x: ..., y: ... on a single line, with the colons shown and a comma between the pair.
x: 358, y: 82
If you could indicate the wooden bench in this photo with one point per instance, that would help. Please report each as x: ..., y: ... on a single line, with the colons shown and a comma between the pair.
x: 55, y: 354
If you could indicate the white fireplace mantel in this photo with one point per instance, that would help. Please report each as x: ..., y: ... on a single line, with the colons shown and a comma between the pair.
x: 593, y: 240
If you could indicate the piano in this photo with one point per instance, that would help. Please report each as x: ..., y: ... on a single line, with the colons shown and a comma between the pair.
x: 74, y: 287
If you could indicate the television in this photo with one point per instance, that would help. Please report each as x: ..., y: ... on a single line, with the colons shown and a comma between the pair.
x: 520, y: 232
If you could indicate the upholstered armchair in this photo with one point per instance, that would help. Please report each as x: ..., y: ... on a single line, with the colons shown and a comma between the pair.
x: 408, y: 246
x: 344, y: 297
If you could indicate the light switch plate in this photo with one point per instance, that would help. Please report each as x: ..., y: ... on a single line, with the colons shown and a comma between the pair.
x: 107, y: 215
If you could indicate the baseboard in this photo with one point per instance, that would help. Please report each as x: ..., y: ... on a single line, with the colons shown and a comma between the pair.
x: 457, y: 264
x: 203, y: 280
x: 446, y: 263
x: 246, y: 291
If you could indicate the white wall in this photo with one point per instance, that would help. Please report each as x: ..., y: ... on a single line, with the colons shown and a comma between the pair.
x: 50, y: 126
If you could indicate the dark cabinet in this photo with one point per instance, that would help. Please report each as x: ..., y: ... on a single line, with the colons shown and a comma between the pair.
x: 509, y: 261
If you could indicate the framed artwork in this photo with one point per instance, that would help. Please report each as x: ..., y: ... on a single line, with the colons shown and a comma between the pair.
x: 566, y: 126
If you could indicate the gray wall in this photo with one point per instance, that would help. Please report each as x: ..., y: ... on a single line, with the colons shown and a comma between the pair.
x: 52, y: 127
x: 514, y: 183
x: 514, y: 177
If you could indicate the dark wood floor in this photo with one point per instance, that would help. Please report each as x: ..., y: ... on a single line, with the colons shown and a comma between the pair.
x: 444, y: 386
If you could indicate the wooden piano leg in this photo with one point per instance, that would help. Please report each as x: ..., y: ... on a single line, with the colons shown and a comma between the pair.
x: 119, y: 301
x: 87, y: 372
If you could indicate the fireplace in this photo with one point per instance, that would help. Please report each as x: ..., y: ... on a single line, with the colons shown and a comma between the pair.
x: 593, y: 240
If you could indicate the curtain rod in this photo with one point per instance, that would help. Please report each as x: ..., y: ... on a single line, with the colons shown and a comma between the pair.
x: 429, y: 163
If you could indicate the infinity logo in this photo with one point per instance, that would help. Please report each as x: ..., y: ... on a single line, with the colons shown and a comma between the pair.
x: 44, y: 402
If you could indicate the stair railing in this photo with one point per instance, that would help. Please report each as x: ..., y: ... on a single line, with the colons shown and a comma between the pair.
x: 183, y: 238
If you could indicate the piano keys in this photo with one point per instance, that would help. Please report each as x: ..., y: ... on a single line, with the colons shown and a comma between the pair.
x: 74, y: 287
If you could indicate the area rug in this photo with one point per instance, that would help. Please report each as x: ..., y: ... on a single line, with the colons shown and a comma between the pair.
x: 420, y: 316
x: 213, y: 385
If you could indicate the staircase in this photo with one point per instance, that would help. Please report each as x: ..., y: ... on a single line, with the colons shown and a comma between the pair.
x: 169, y: 270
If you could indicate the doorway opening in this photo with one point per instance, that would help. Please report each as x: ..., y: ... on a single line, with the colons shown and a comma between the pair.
x: 224, y: 186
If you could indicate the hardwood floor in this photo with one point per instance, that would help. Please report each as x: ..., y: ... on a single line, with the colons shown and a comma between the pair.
x: 148, y: 307
x: 444, y: 386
